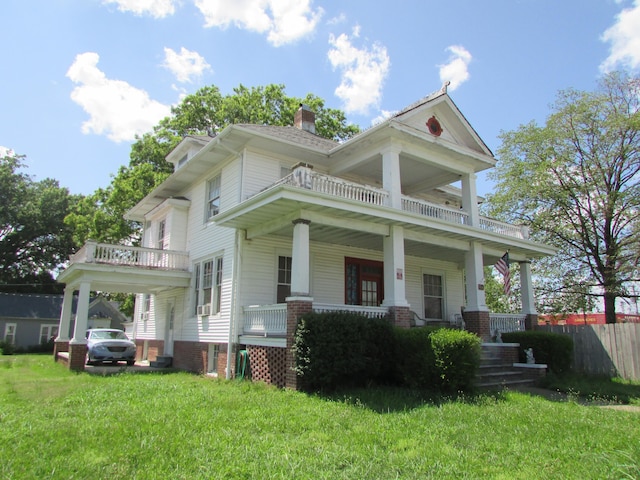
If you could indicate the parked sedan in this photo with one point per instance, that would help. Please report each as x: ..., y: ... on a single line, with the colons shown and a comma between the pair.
x: 109, y: 345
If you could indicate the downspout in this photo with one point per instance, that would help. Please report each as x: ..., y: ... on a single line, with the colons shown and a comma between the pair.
x: 235, y: 281
x: 235, y: 316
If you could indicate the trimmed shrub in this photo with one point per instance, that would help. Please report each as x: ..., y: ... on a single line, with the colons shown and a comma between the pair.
x: 415, y: 362
x: 7, y: 348
x: 554, y: 349
x: 341, y: 349
x: 457, y: 358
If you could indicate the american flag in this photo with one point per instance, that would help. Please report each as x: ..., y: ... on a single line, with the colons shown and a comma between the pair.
x: 502, y: 266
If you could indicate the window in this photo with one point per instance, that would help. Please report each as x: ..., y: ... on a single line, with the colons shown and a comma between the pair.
x: 212, y: 367
x: 364, y: 282
x: 433, y: 286
x: 208, y: 286
x: 146, y: 307
x: 47, y: 332
x: 10, y: 333
x: 213, y: 204
x: 283, y: 289
x: 161, y: 232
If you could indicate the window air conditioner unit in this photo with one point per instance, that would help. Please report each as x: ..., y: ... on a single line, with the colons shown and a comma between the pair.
x: 204, y: 310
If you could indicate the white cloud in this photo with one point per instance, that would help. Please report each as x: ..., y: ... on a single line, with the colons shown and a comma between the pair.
x: 115, y: 108
x: 624, y: 39
x: 6, y: 152
x: 456, y: 70
x: 363, y: 73
x: 154, y: 8
x: 284, y: 21
x: 384, y: 115
x: 186, y: 65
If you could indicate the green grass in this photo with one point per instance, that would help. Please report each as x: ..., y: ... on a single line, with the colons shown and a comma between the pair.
x: 56, y: 424
x: 596, y: 388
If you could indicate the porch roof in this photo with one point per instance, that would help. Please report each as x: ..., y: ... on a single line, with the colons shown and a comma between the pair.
x: 354, y: 223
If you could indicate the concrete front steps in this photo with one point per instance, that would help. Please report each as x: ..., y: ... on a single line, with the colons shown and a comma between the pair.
x: 499, y: 367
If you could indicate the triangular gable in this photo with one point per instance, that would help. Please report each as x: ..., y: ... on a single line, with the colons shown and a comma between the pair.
x: 439, y: 116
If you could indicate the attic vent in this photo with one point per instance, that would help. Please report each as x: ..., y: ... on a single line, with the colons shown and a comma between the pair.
x: 434, y: 126
x: 182, y: 161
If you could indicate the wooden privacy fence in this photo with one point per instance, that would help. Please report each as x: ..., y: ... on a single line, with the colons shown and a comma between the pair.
x: 612, y: 349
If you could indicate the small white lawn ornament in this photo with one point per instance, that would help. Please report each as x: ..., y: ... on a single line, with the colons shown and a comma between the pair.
x: 529, y: 353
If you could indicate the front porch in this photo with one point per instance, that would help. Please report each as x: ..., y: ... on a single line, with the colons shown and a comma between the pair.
x: 267, y: 324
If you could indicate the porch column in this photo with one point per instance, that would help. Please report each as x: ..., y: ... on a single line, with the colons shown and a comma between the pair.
x: 470, y: 198
x: 61, y: 343
x: 394, y: 277
x: 300, y: 258
x: 528, y: 303
x: 78, y: 344
x: 391, y: 175
x: 476, y: 314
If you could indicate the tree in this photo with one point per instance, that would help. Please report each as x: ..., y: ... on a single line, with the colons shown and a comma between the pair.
x: 100, y: 216
x: 34, y: 240
x: 574, y: 181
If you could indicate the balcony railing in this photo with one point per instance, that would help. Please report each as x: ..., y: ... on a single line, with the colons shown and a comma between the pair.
x: 306, y: 178
x: 122, y: 255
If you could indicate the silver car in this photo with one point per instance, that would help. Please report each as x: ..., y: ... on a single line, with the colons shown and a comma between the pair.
x: 109, y: 345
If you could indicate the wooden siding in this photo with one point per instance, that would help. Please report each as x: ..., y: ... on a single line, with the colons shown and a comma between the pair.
x: 612, y: 349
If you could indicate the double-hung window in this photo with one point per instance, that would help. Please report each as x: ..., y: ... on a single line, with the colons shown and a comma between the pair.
x: 433, y: 288
x: 284, y: 279
x: 48, y: 332
x: 213, y: 199
x: 161, y: 234
x: 208, y: 286
x: 10, y: 333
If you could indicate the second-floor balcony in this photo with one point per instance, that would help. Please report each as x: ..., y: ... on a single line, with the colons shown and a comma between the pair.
x: 308, y: 179
x: 129, y: 256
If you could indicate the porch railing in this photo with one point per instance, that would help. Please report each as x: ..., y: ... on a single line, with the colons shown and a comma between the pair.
x: 306, y: 178
x: 506, y: 322
x: 123, y: 255
x: 265, y: 319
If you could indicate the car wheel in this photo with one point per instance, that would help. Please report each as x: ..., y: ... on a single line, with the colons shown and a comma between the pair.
x: 131, y: 362
x: 89, y: 362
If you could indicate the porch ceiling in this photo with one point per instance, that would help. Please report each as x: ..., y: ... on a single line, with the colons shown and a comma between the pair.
x: 351, y: 223
x: 123, y: 279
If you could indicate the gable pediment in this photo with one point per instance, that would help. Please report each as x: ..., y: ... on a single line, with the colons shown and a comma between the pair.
x: 439, y: 117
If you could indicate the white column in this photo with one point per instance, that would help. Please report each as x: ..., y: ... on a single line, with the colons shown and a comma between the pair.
x: 82, y: 314
x: 476, y: 301
x: 526, y: 289
x: 394, y: 274
x: 391, y: 175
x: 470, y: 198
x: 65, y: 315
x: 300, y: 259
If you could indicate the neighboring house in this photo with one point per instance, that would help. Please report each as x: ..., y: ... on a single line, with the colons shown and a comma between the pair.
x: 28, y: 320
x: 260, y: 224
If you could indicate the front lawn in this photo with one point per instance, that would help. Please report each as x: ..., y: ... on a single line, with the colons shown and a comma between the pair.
x: 56, y: 424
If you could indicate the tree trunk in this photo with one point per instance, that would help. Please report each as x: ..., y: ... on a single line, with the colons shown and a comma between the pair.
x: 610, y: 307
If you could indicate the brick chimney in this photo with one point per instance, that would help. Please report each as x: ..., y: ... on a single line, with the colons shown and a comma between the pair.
x: 305, y: 119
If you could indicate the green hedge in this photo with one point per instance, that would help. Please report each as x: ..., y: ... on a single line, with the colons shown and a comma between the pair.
x: 457, y: 358
x: 554, y: 349
x: 341, y: 349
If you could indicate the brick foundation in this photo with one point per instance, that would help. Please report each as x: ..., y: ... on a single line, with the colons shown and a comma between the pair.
x: 77, y: 356
x: 531, y: 321
x: 60, y: 346
x: 194, y: 357
x: 268, y: 364
x: 156, y: 347
x: 400, y: 316
x: 296, y: 308
x: 478, y: 323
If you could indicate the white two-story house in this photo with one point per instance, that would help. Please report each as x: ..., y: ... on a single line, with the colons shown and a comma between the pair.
x: 260, y: 224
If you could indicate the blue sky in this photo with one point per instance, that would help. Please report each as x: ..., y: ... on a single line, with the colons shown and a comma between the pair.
x: 82, y: 77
